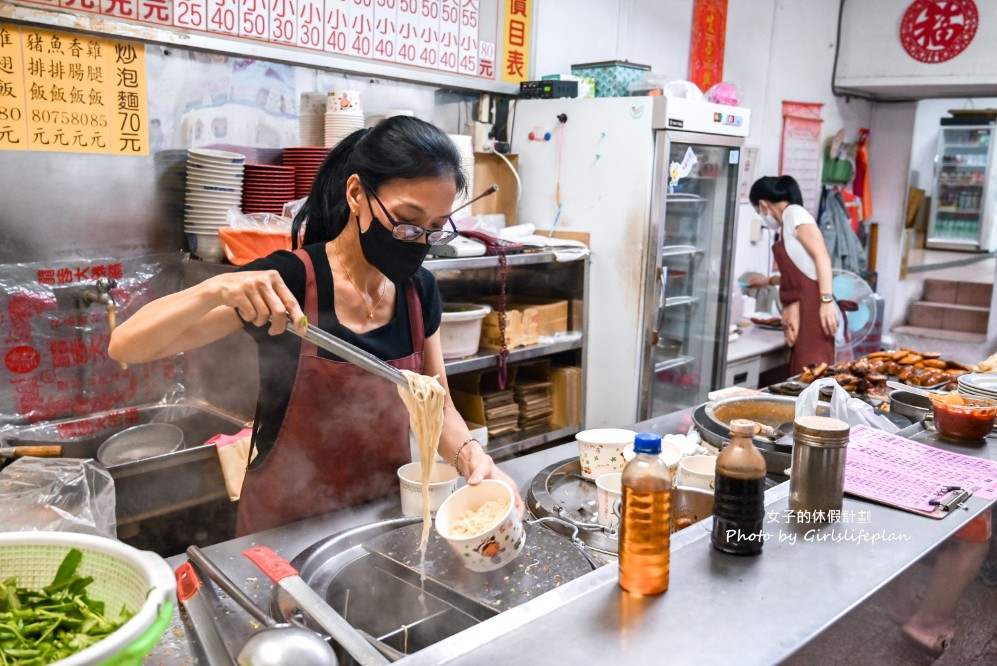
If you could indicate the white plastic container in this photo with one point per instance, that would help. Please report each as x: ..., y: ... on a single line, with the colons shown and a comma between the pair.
x: 460, y: 330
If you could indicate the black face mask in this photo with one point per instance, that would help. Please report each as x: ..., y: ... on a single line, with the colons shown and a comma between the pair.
x: 397, y: 259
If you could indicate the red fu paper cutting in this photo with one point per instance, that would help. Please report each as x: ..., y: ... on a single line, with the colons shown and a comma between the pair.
x: 909, y: 475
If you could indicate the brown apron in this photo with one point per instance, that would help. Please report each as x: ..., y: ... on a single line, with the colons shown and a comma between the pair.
x: 812, y: 345
x: 343, y: 438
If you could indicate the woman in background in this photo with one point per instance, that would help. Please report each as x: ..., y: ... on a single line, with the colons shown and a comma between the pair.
x: 809, y: 314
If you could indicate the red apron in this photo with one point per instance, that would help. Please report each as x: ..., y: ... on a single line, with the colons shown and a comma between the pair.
x: 812, y: 345
x: 343, y: 438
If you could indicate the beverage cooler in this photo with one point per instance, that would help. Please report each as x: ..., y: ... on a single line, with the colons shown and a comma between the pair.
x: 653, y: 182
x: 963, y: 207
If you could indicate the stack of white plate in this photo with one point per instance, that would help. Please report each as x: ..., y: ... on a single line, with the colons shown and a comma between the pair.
x: 311, y: 119
x: 978, y: 385
x: 214, y: 184
x: 343, y: 116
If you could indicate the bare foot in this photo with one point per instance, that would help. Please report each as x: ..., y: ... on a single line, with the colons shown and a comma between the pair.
x: 932, y: 640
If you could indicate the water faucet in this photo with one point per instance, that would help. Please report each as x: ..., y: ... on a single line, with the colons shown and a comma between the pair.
x: 101, y: 293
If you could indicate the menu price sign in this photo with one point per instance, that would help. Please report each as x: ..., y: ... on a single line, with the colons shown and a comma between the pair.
x: 65, y: 92
x: 441, y: 35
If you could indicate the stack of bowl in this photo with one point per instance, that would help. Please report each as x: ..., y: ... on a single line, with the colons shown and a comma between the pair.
x: 343, y: 116
x: 306, y: 161
x: 268, y: 188
x: 311, y: 119
x: 214, y: 185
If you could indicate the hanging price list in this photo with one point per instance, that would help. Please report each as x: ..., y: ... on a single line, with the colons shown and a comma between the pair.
x: 67, y: 92
x: 441, y: 35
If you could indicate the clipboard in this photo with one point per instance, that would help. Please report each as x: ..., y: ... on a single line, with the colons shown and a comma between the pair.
x: 948, y: 500
x: 911, y: 476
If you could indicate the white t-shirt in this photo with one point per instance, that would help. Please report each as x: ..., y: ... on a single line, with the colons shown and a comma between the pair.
x: 793, y: 217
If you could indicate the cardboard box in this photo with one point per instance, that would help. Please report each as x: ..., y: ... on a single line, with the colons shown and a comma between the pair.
x: 489, y: 168
x: 527, y: 318
x: 521, y: 328
x: 478, y: 399
x: 552, y: 315
x: 566, y: 395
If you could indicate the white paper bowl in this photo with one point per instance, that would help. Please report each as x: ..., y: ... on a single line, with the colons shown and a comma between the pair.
x: 670, y: 455
x: 494, y: 547
x: 609, y: 488
x: 601, y: 450
x: 698, y: 472
x: 442, y: 483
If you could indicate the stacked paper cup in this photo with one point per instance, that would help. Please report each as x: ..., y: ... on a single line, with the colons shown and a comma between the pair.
x: 311, y: 119
x: 343, y: 115
x: 464, y: 145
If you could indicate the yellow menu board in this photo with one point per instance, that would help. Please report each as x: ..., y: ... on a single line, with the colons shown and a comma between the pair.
x: 71, y: 93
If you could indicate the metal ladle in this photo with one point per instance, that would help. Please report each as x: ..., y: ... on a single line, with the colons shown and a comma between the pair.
x: 278, y: 643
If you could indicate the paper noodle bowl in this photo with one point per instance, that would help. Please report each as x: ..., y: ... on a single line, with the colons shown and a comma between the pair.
x: 499, y: 543
x: 600, y: 450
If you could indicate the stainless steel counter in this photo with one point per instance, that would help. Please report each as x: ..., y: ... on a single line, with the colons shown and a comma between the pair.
x: 719, y: 609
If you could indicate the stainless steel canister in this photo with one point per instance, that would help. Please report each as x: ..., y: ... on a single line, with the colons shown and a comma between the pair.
x: 817, y: 477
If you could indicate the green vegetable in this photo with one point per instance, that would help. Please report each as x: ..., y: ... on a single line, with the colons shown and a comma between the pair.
x: 39, y: 627
x: 303, y: 321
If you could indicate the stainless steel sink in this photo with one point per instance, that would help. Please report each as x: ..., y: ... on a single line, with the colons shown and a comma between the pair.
x: 370, y: 575
x: 153, y: 486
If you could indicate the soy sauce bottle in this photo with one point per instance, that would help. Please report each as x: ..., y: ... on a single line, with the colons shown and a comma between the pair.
x: 739, y: 493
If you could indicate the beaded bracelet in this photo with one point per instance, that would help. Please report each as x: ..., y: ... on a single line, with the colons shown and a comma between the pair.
x: 457, y: 455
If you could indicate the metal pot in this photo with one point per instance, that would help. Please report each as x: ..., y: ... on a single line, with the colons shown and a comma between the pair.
x: 690, y: 505
x: 770, y: 410
x: 140, y: 442
x: 913, y: 406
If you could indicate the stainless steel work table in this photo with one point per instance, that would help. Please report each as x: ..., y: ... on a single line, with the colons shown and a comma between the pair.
x: 719, y: 609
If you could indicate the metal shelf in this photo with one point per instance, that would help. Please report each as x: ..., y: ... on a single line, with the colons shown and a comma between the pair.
x: 680, y: 300
x: 678, y: 250
x: 489, y: 359
x: 507, y: 446
x: 466, y: 263
x: 673, y: 363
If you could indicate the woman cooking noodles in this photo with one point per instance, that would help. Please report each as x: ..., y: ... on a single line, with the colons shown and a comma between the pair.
x: 329, y: 434
x: 809, y: 314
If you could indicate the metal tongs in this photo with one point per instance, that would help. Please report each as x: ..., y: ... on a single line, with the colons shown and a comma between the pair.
x: 345, y: 350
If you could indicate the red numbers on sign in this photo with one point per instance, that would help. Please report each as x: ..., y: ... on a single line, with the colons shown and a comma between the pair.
x: 189, y: 14
x: 223, y: 20
x: 361, y: 44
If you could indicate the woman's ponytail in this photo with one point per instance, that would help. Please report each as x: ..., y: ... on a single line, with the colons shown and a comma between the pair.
x: 326, y: 209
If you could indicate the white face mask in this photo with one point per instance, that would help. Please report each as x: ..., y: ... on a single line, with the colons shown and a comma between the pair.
x: 771, y: 222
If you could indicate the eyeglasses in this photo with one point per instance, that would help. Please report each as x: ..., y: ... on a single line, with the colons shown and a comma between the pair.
x: 413, y: 232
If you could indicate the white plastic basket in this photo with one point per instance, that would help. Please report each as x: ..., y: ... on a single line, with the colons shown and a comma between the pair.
x: 141, y: 581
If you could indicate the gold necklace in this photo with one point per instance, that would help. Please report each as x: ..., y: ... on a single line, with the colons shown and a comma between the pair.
x: 384, y: 285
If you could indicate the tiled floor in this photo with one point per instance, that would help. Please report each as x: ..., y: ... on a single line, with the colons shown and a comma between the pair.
x: 868, y: 637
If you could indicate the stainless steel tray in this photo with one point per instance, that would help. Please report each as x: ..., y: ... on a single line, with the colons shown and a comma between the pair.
x: 560, y: 491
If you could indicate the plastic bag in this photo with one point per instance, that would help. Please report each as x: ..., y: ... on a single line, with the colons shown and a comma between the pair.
x: 257, y: 221
x: 66, y: 495
x: 725, y: 93
x: 843, y: 407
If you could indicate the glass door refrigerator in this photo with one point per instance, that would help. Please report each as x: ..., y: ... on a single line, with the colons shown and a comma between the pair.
x: 963, y: 206
x: 694, y: 202
x: 656, y: 306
